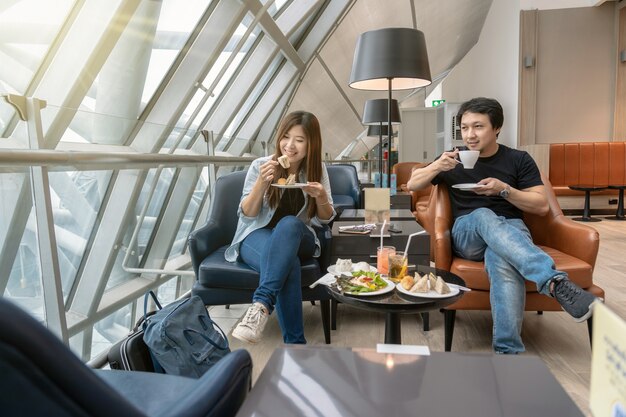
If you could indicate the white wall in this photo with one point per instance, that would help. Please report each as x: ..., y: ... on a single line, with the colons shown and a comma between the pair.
x: 490, y: 69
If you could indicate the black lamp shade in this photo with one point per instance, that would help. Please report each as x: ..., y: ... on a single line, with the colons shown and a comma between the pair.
x: 397, y: 54
x: 375, y: 112
x: 377, y: 130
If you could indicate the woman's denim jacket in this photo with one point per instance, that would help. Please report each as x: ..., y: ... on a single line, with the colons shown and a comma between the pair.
x: 247, y: 225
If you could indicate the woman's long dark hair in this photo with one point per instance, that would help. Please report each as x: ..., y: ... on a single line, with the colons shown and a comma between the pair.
x: 312, y: 164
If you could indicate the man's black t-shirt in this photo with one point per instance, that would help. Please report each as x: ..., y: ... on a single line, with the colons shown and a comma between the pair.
x: 512, y: 166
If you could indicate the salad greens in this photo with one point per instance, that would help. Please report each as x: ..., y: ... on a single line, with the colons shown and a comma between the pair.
x: 361, y: 282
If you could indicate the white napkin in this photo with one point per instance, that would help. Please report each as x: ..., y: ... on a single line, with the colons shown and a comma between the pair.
x: 324, y: 280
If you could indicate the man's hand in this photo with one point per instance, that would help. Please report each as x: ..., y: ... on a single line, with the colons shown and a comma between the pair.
x: 490, y: 186
x: 421, y: 177
x: 447, y: 161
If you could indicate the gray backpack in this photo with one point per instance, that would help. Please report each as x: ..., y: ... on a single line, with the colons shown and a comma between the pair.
x: 182, y: 338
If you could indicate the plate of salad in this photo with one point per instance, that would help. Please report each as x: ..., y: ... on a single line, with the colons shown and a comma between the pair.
x: 364, y: 283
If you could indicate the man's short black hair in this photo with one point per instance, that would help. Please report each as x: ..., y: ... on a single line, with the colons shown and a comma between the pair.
x: 483, y: 105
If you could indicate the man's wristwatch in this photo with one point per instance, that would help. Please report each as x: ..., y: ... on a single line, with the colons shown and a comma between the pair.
x: 505, y: 192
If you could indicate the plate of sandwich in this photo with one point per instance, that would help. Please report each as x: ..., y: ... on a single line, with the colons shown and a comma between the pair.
x: 426, y: 286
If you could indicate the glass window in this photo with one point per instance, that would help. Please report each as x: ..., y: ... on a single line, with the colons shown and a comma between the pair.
x: 76, y: 199
x: 190, y: 217
x: 28, y: 28
x: 232, y: 59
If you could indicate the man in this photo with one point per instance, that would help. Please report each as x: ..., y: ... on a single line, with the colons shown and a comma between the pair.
x: 488, y: 222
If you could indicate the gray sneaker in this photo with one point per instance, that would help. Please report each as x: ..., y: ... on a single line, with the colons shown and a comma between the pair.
x: 251, y: 326
x: 573, y: 299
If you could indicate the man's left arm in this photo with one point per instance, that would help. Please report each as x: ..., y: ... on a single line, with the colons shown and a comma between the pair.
x: 530, y: 200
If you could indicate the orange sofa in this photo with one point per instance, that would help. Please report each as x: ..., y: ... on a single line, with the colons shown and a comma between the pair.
x: 590, y: 163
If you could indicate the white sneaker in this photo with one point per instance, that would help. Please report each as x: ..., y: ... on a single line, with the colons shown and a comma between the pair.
x: 251, y: 326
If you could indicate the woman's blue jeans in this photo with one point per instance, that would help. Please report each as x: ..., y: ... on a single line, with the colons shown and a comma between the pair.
x: 510, y: 257
x: 275, y: 254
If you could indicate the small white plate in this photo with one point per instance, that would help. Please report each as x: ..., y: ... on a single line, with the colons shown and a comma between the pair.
x: 430, y: 294
x: 333, y: 270
x: 467, y: 186
x: 390, y: 286
x: 296, y: 185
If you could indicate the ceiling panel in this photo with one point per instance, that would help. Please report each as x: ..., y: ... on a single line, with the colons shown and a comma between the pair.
x: 319, y: 96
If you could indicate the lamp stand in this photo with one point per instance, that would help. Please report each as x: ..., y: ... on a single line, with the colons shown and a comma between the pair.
x: 390, y: 135
x: 380, y: 154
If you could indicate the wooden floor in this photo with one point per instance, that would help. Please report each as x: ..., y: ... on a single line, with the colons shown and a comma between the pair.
x: 560, y: 342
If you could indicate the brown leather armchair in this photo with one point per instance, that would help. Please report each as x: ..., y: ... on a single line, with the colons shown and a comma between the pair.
x: 573, y: 246
x: 403, y: 172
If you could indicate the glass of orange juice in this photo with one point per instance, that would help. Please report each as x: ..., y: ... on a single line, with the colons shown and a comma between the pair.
x: 382, y: 258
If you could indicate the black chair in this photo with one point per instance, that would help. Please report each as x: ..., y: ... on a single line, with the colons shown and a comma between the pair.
x: 40, y: 376
x: 219, y: 282
x: 344, y: 185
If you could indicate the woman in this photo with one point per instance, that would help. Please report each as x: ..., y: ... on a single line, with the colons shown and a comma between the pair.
x: 275, y: 226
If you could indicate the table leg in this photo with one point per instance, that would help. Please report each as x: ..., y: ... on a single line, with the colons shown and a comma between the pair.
x: 586, y: 216
x: 619, y: 214
x: 392, y: 329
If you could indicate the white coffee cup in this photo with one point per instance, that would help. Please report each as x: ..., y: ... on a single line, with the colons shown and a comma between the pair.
x: 468, y: 158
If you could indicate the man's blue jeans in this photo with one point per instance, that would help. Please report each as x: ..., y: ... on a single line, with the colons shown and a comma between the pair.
x: 510, y: 257
x: 275, y: 254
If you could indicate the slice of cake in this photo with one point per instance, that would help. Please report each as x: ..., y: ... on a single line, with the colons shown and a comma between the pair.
x: 291, y: 179
x: 343, y: 265
x: 362, y: 266
x: 441, y: 287
x: 284, y: 161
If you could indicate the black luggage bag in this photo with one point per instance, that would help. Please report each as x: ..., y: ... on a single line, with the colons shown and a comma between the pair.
x: 131, y: 353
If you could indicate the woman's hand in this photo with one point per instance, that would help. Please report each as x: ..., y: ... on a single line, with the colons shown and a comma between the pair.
x: 267, y: 172
x: 316, y: 190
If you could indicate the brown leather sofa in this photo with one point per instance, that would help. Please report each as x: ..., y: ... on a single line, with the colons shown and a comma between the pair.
x: 573, y: 246
x: 589, y: 163
x: 403, y: 172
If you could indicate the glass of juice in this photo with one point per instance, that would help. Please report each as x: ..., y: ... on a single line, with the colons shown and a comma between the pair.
x: 382, y: 258
x: 398, y: 265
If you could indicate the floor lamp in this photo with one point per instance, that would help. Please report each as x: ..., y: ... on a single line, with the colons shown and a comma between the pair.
x: 375, y: 113
x: 389, y: 55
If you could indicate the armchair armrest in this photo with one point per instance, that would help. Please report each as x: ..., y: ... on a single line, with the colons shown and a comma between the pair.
x: 443, y: 243
x: 575, y: 239
x: 203, y: 241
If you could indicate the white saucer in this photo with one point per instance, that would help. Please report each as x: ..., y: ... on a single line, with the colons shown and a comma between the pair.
x: 296, y: 185
x: 467, y: 186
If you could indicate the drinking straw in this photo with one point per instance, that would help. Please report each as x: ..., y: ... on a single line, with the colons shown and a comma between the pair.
x: 408, y: 242
x: 382, y: 229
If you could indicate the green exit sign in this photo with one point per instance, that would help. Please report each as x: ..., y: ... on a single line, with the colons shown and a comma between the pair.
x: 438, y: 102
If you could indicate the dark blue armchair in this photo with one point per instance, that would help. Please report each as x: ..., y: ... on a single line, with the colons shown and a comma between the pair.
x: 344, y: 185
x: 219, y: 282
x: 40, y: 376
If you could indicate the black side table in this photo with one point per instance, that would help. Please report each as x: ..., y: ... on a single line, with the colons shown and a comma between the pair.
x: 587, y: 189
x: 395, y: 303
x: 619, y: 214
